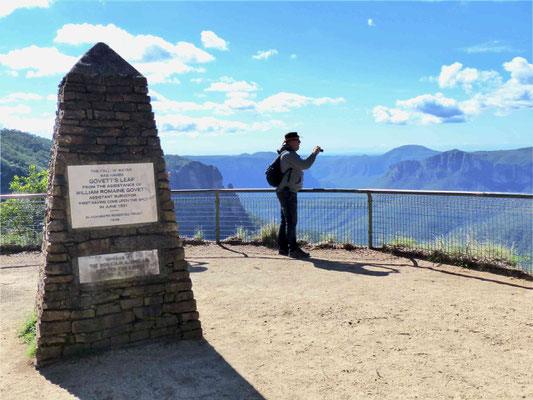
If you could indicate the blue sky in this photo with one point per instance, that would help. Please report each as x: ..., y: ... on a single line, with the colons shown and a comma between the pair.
x: 233, y: 77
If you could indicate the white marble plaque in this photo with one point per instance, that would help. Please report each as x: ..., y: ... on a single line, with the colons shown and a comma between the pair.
x: 105, y: 267
x: 111, y: 194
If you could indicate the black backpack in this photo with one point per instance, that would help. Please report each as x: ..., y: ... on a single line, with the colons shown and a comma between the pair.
x: 273, y: 172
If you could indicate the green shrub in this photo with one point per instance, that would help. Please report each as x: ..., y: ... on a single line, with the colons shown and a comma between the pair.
x: 21, y: 220
x: 329, y: 238
x: 199, y: 234
x: 460, y: 249
x: 402, y: 241
x: 242, y: 234
x: 27, y: 332
x: 269, y: 234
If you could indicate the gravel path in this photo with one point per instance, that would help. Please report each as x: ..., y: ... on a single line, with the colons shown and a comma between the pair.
x: 342, y: 325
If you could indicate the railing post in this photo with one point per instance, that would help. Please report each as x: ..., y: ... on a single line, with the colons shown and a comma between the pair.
x: 369, y: 198
x: 217, y: 217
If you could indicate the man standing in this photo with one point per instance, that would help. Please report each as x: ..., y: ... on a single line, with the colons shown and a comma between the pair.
x: 287, y: 192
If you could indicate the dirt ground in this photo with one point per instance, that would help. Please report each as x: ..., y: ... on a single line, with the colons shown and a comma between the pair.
x: 342, y: 325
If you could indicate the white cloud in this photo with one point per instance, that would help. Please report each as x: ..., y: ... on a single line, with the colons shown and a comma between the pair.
x: 15, y: 97
x: 189, y: 53
x: 263, y: 55
x: 327, y: 100
x: 521, y: 71
x: 293, y: 56
x: 178, y: 124
x: 12, y: 110
x: 161, y: 104
x: 511, y: 96
x: 184, y: 125
x: 211, y: 41
x: 515, y: 94
x: 371, y: 22
x: 18, y: 117
x: 160, y: 61
x: 267, y: 125
x: 236, y: 102
x: 38, y: 61
x: 240, y: 94
x: 454, y: 75
x: 494, y: 46
x: 240, y: 104
x: 226, y: 84
x: 197, y: 80
x: 156, y: 58
x: 493, y: 95
x: 51, y: 97
x: 163, y: 71
x: 8, y: 6
x: 438, y: 106
x: 424, y: 109
x: 390, y: 115
x: 284, y: 102
x: 136, y: 48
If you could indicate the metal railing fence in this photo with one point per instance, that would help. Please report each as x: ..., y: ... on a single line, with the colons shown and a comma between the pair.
x: 495, y: 226
x: 22, y: 219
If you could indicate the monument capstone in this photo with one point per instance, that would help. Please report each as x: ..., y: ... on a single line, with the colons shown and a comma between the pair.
x: 113, y: 269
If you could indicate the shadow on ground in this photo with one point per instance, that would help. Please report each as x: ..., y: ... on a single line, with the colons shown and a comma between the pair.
x: 370, y: 269
x: 190, y: 369
x: 484, y: 279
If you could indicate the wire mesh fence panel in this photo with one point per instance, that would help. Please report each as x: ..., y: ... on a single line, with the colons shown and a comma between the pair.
x: 247, y: 215
x: 21, y: 221
x: 333, y: 218
x: 324, y: 218
x: 482, y: 227
x: 486, y: 228
x: 195, y: 214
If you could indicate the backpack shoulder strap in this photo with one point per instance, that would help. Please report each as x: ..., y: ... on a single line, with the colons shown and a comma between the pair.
x: 288, y: 169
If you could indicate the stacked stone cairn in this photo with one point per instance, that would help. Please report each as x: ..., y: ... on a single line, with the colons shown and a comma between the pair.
x: 104, y: 117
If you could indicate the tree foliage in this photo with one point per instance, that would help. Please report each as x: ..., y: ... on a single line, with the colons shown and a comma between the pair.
x: 19, y: 151
x: 21, y: 220
x: 35, y: 182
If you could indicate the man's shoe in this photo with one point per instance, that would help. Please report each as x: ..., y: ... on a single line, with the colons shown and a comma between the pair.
x: 283, y: 252
x: 298, y: 253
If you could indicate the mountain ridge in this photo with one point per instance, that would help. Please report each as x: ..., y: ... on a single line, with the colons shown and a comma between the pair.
x: 404, y: 167
x: 459, y: 170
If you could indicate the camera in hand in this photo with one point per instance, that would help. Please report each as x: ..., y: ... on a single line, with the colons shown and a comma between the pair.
x: 321, y: 150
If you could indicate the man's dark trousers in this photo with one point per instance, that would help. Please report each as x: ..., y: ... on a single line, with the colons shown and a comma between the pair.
x: 289, y: 218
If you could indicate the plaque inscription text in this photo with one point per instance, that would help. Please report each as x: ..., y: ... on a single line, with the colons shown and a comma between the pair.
x: 104, y: 267
x: 112, y: 194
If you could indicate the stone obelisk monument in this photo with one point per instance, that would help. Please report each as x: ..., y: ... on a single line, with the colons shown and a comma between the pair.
x: 113, y: 268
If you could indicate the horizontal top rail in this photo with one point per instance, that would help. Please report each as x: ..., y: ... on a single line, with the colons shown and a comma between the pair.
x: 364, y: 191
x: 361, y: 191
x: 21, y: 196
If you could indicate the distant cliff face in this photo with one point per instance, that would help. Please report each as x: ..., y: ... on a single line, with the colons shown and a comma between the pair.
x: 248, y: 170
x: 361, y: 171
x: 457, y: 170
x: 194, y: 175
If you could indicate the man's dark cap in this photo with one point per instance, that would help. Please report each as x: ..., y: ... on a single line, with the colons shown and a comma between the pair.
x: 291, y: 135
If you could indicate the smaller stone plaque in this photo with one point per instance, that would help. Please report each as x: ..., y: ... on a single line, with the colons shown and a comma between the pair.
x: 104, y: 267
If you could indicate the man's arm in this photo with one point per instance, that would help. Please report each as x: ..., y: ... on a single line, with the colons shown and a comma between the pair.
x: 295, y: 161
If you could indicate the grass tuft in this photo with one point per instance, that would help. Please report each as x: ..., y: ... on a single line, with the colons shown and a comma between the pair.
x: 28, y: 333
x: 268, y: 235
x: 199, y: 234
